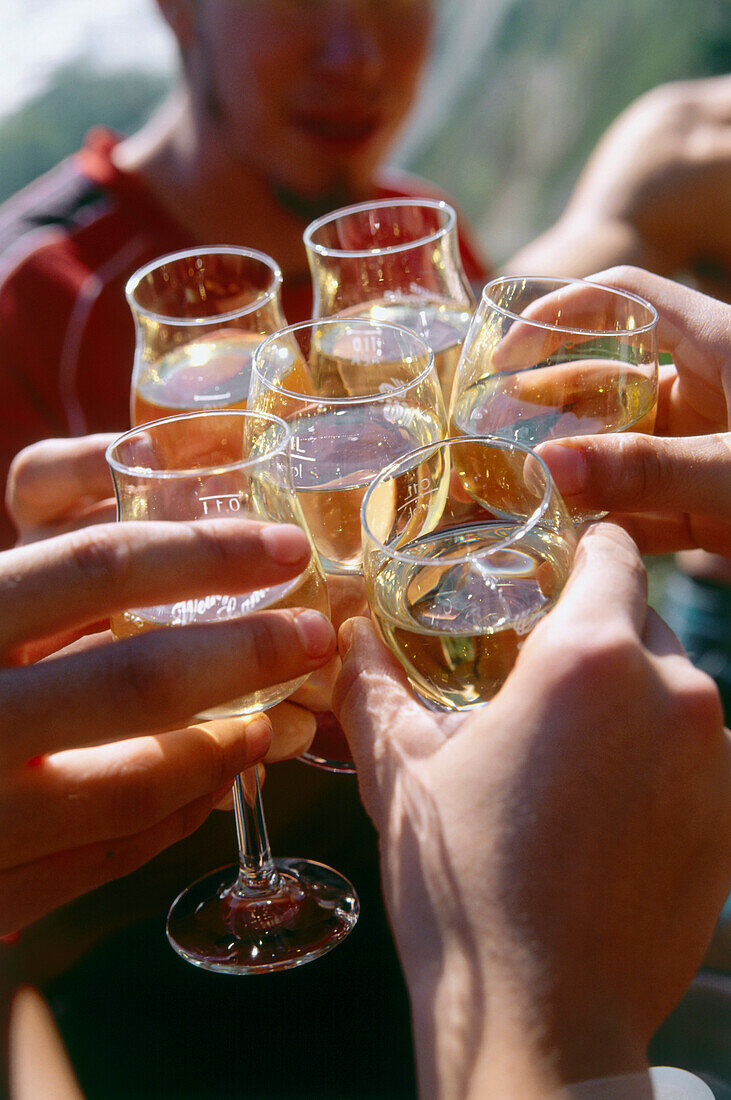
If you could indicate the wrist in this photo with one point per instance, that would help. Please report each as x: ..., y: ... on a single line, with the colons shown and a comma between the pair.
x: 477, y: 1037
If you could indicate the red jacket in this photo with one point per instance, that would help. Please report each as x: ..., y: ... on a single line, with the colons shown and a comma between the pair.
x: 68, y: 243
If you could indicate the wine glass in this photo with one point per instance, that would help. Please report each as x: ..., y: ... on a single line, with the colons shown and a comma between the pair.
x: 466, y: 545
x: 261, y: 914
x: 199, y: 316
x: 547, y: 358
x: 356, y: 394
x: 395, y: 260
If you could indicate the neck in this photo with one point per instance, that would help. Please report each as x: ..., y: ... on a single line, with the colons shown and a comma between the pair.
x: 219, y: 199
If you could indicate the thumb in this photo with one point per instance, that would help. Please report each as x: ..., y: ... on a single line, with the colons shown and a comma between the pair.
x: 384, y: 723
x: 640, y: 473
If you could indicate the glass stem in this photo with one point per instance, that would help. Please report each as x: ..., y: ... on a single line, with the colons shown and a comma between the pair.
x: 257, y: 873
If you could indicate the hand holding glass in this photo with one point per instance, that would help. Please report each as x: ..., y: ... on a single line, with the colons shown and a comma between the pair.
x: 549, y: 358
x: 262, y: 914
x: 356, y: 394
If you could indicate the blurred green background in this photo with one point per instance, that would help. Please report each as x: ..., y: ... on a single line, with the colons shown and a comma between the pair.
x: 517, y: 94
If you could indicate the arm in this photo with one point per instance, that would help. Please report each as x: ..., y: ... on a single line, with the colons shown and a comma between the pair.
x: 544, y: 925
x: 656, y: 192
x: 104, y: 728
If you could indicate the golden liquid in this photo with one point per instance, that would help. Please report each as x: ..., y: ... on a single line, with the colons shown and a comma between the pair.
x: 457, y: 627
x: 335, y: 456
x: 586, y: 397
x: 443, y: 325
x: 210, y: 373
x: 307, y: 590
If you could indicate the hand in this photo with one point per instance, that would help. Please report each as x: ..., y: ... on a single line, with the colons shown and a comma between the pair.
x: 100, y: 767
x: 553, y: 863
x: 670, y: 493
x: 655, y: 192
x: 59, y: 485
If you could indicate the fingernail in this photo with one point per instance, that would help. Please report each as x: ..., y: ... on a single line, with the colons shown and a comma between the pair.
x: 285, y: 543
x: 315, y: 631
x: 568, y: 466
x: 345, y: 637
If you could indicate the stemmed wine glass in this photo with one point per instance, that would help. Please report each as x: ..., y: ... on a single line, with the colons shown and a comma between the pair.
x: 466, y: 545
x: 547, y: 358
x: 356, y: 394
x: 261, y: 914
x: 395, y: 260
x: 199, y: 316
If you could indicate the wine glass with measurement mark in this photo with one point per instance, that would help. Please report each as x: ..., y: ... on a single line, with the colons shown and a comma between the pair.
x: 395, y: 260
x: 356, y: 394
x: 261, y: 914
x: 547, y: 358
x: 199, y: 316
x: 466, y: 545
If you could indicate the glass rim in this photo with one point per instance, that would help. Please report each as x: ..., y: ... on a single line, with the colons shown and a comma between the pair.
x: 263, y: 298
x: 282, y: 447
x: 491, y: 440
x: 379, y: 204
x: 387, y: 395
x: 560, y: 281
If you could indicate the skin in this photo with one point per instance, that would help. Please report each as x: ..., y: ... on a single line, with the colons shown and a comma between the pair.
x: 671, y: 490
x: 655, y: 192
x: 521, y: 985
x: 100, y: 764
x: 285, y: 110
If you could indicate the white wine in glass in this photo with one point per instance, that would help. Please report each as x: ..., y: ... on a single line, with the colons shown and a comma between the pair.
x: 356, y: 394
x: 395, y: 260
x: 549, y: 358
x: 466, y: 546
x: 199, y: 317
x: 262, y: 914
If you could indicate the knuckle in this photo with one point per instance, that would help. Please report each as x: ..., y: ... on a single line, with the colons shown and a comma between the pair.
x: 598, y: 659
x: 638, y: 471
x: 265, y: 653
x: 698, y: 701
x: 213, y: 761
x: 144, y: 686
x: 135, y: 799
x: 98, y: 554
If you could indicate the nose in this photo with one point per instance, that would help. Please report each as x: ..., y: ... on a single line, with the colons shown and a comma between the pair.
x: 350, y: 46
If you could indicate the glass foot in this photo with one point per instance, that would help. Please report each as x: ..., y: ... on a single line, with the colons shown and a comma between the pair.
x: 216, y: 926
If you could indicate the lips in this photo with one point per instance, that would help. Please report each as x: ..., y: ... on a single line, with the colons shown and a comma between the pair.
x: 340, y: 128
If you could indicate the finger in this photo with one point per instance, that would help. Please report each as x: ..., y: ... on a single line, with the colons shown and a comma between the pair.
x: 50, y: 478
x: 633, y: 472
x: 95, y: 572
x: 688, y: 321
x: 569, y: 314
x: 671, y: 532
x: 381, y: 718
x: 293, y: 730
x: 606, y: 591
x: 659, y: 639
x: 71, y: 798
x: 29, y: 891
x: 156, y: 680
x: 101, y: 511
x: 316, y: 693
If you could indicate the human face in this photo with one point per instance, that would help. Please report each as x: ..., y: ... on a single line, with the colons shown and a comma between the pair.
x: 308, y: 93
